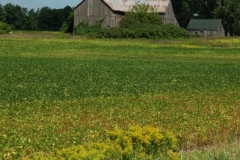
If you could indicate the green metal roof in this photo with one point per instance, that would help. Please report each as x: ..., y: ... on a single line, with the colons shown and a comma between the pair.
x: 204, y: 24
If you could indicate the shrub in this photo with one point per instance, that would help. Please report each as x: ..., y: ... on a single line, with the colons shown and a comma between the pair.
x: 175, y: 31
x: 137, y: 142
x: 148, y: 31
x: 85, y: 29
x: 140, y: 14
x: 4, y: 28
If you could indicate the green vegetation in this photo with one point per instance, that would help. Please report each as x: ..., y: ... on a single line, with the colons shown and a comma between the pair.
x: 67, y: 26
x: 45, y: 18
x: 59, y: 91
x: 141, y: 14
x: 4, y: 28
x: 93, y: 31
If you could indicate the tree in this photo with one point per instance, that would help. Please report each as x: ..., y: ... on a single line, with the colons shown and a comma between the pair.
x: 31, y: 23
x: 67, y: 26
x: 52, y: 19
x: 24, y: 18
x: 229, y: 11
x: 45, y: 19
x: 140, y: 14
x: 2, y: 14
x: 15, y: 16
x: 184, y: 10
x: 207, y: 7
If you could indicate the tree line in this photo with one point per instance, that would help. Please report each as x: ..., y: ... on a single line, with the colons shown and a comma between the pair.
x: 44, y: 19
x: 21, y: 18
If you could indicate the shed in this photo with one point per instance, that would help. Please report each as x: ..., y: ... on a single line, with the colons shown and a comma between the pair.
x: 206, y: 27
x: 114, y: 11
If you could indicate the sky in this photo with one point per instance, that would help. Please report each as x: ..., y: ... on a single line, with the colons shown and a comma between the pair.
x: 35, y: 4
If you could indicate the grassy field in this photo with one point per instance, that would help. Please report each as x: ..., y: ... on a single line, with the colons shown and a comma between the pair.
x: 57, y: 91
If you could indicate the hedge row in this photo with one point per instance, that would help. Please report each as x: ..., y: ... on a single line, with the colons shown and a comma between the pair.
x: 148, y: 31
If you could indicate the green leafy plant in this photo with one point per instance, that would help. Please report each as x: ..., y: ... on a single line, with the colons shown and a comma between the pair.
x: 4, y: 28
x: 85, y: 29
x: 141, y: 14
x: 67, y: 26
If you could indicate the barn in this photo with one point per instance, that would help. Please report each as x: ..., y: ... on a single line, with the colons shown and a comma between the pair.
x: 114, y: 11
x: 206, y: 27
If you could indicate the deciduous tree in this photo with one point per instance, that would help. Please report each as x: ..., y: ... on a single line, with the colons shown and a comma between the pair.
x: 2, y: 14
x: 141, y: 14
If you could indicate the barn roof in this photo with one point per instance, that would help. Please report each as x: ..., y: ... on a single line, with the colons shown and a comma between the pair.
x: 204, y: 24
x: 126, y: 5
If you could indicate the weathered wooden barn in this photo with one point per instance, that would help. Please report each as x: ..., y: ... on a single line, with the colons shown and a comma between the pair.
x: 114, y: 11
x: 206, y: 27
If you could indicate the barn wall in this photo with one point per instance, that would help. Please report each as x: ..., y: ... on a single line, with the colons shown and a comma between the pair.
x: 221, y: 31
x: 207, y: 33
x: 169, y: 16
x: 84, y: 12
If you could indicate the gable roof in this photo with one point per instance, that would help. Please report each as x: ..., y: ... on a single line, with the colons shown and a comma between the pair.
x: 204, y: 24
x: 126, y: 5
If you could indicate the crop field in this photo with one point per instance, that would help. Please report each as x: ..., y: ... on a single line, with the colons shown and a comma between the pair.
x: 57, y: 91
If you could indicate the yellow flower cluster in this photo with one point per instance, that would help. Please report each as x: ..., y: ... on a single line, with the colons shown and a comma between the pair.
x: 148, y: 141
x: 225, y: 42
x: 135, y: 143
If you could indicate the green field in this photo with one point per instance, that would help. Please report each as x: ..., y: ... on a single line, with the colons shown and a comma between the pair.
x: 57, y: 91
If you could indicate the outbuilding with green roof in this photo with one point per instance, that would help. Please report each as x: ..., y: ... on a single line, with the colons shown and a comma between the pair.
x: 206, y: 27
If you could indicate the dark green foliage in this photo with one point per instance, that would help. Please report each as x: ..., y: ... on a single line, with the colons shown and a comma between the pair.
x: 31, y: 22
x: 147, y: 31
x: 53, y: 19
x: 236, y: 30
x: 15, y: 16
x: 67, y: 26
x: 46, y: 19
x: 174, y: 31
x: 4, y: 28
x: 2, y: 14
x: 229, y: 12
x: 20, y: 18
x: 85, y: 29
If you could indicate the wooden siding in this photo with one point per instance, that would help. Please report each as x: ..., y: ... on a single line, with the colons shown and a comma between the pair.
x: 220, y: 32
x: 206, y: 33
x: 169, y: 16
x: 85, y: 12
